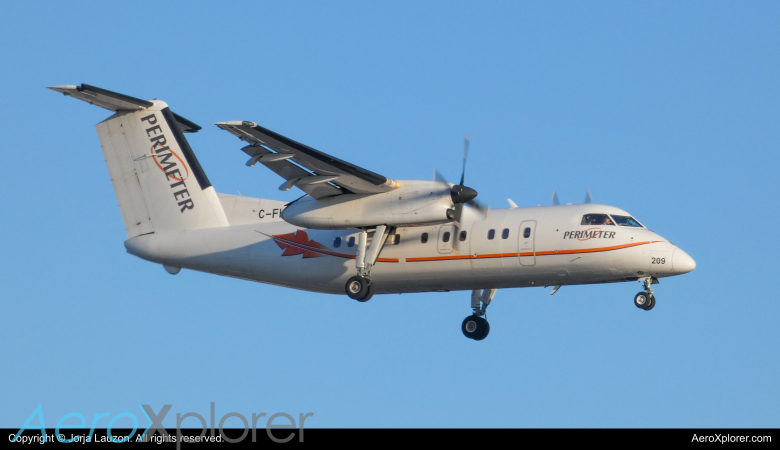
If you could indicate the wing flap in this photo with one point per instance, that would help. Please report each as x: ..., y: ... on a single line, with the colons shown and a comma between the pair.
x: 292, y: 173
x: 350, y: 177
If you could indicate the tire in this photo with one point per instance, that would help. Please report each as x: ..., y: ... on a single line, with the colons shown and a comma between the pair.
x: 369, y: 293
x: 641, y: 300
x: 357, y: 287
x: 475, y: 327
x: 471, y: 327
x: 651, y: 303
x: 485, y: 330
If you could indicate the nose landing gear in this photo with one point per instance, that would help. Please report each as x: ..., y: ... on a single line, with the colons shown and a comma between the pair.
x: 646, y: 300
x: 476, y: 326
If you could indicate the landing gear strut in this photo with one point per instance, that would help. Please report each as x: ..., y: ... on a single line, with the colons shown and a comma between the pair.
x: 646, y: 300
x: 360, y: 287
x: 476, y: 326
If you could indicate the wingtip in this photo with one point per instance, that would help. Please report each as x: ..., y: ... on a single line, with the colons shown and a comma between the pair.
x: 62, y: 88
x: 236, y: 123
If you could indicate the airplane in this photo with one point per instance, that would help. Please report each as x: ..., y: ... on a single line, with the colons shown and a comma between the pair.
x: 355, y: 231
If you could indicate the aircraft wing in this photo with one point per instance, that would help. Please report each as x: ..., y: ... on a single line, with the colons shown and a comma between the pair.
x: 314, y: 172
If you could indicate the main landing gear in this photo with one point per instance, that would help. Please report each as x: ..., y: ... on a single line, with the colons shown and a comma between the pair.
x: 476, y: 326
x: 646, y: 300
x: 360, y: 286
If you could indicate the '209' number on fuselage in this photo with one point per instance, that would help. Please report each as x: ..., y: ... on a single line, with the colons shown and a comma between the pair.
x: 659, y: 261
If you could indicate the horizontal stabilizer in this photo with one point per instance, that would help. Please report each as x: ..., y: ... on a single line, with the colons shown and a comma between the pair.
x: 114, y: 101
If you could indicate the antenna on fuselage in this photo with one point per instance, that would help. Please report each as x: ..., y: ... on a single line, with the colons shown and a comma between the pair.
x: 588, y: 197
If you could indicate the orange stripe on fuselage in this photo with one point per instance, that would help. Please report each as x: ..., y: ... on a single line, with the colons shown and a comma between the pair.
x: 511, y: 255
x: 462, y: 257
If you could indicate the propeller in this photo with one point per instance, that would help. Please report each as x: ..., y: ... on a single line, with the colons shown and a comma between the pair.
x: 461, y: 195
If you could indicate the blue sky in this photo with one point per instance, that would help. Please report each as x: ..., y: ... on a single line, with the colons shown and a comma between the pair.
x: 668, y: 110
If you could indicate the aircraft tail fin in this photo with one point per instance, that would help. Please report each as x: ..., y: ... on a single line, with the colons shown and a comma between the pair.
x: 158, y: 181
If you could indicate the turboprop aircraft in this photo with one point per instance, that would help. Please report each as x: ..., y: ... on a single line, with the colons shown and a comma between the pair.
x: 354, y: 230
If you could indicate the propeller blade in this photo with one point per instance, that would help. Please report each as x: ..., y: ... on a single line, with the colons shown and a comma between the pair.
x: 588, y: 197
x: 437, y: 176
x: 476, y: 204
x: 457, y: 222
x: 555, y: 200
x: 466, y: 143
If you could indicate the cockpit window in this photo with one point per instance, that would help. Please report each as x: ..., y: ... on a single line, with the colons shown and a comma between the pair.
x: 596, y: 219
x: 626, y: 221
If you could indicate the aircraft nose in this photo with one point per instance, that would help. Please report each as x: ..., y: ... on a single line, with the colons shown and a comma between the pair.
x: 682, y: 262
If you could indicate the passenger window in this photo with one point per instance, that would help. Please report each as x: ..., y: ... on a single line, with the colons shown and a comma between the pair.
x: 596, y: 219
x: 337, y: 242
x: 505, y: 233
x: 424, y: 238
x: 462, y: 235
x: 351, y: 242
x: 527, y: 233
x: 446, y: 237
x: 394, y: 239
x: 491, y: 234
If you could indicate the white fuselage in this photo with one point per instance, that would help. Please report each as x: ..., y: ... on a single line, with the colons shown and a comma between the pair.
x: 557, y: 251
x: 432, y: 240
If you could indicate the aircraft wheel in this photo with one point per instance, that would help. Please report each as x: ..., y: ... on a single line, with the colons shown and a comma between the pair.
x: 651, y: 304
x: 369, y: 293
x: 475, y: 327
x: 357, y: 287
x: 485, y: 330
x: 642, y: 300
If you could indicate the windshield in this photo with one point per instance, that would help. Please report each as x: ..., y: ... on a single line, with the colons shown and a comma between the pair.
x: 626, y: 221
x: 596, y: 219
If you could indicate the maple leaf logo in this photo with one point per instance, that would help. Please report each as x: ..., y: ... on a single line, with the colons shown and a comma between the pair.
x: 298, y: 243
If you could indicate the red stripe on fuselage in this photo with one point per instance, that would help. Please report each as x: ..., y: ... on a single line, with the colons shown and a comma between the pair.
x: 319, y: 250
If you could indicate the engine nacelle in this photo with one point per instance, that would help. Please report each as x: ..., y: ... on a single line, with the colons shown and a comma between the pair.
x: 414, y: 203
